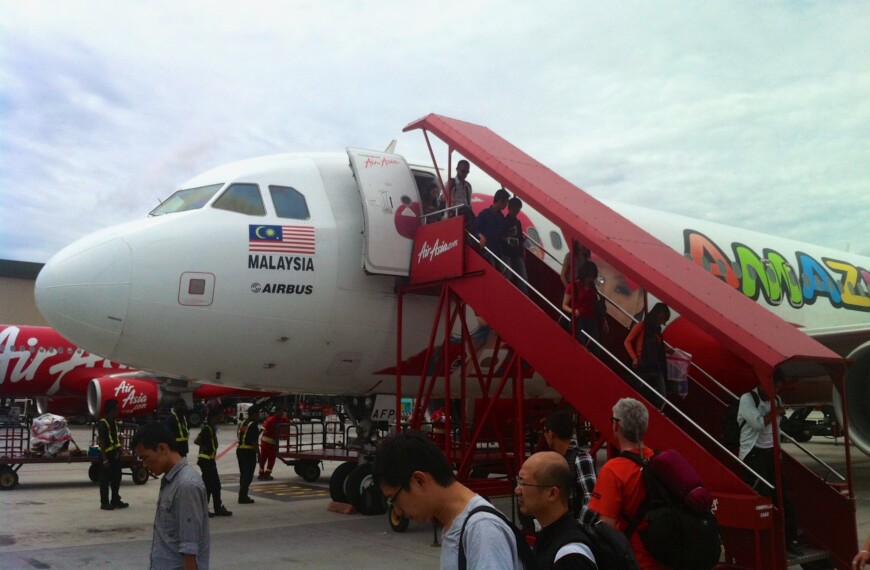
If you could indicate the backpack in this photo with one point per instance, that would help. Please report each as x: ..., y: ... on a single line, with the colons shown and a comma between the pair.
x: 524, y: 551
x: 609, y: 546
x: 731, y: 425
x: 682, y: 531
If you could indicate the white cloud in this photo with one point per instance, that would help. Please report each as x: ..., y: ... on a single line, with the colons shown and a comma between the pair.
x: 753, y: 115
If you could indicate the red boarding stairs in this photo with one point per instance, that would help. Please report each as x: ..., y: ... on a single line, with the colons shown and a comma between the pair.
x: 752, y: 527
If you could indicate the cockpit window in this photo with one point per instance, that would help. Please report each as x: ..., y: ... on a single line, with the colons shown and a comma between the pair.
x: 242, y: 198
x: 289, y: 203
x: 187, y: 199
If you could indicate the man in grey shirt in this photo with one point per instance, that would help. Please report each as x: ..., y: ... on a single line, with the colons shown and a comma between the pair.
x: 419, y: 484
x: 181, y: 536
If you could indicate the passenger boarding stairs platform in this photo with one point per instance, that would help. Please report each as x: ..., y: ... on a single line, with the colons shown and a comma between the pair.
x: 752, y: 527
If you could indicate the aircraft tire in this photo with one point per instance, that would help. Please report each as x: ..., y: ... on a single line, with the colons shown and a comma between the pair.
x: 337, y: 482
x: 397, y: 522
x: 8, y: 478
x: 194, y: 419
x: 363, y: 494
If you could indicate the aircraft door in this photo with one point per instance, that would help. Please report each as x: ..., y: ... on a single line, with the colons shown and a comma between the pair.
x: 391, y: 210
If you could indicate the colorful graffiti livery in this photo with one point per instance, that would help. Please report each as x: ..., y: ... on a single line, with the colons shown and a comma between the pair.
x: 776, y: 279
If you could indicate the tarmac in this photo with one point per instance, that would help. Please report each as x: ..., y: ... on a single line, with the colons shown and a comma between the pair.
x: 52, y: 520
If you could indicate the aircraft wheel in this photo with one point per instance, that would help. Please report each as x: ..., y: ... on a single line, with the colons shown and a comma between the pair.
x: 8, y: 478
x: 337, y: 481
x: 398, y: 522
x: 309, y: 470
x: 194, y: 419
x: 140, y: 474
x: 94, y: 472
x: 363, y: 494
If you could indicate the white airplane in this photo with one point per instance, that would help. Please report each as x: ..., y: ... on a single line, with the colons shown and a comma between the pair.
x: 280, y: 273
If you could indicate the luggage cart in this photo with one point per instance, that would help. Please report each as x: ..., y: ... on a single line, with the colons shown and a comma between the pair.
x: 15, y: 452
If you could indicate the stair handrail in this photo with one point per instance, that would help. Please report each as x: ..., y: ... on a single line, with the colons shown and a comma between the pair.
x: 734, y: 396
x: 626, y: 368
x: 634, y: 320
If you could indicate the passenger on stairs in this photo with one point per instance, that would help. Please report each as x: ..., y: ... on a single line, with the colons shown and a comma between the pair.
x: 648, y: 352
x: 581, y: 256
x: 514, y: 245
x: 489, y: 228
x: 431, y: 199
x: 459, y: 191
x: 581, y: 300
x: 755, y: 416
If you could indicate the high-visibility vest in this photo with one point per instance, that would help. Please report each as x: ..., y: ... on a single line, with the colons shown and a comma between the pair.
x: 213, y: 453
x: 183, y: 431
x: 242, y: 432
x: 113, y: 438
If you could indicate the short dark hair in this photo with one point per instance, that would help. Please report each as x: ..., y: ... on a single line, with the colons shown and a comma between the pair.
x: 501, y: 194
x: 561, y: 423
x: 515, y: 203
x: 461, y: 162
x: 151, y: 435
x: 110, y: 405
x: 403, y: 453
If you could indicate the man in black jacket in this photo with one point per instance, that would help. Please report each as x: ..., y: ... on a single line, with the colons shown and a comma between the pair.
x: 542, y: 492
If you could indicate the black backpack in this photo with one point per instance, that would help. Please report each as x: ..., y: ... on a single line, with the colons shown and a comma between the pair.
x: 731, y: 426
x: 609, y: 546
x: 524, y: 551
x: 675, y: 536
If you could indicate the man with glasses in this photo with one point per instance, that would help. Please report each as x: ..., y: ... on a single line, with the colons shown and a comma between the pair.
x: 542, y: 492
x: 420, y: 484
x: 620, y: 491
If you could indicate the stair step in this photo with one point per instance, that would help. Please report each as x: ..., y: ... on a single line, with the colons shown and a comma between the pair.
x: 809, y: 555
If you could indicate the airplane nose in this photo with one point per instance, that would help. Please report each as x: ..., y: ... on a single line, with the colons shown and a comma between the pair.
x: 84, y: 292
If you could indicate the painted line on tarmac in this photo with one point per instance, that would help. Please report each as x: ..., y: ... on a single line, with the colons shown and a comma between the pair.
x: 288, y: 491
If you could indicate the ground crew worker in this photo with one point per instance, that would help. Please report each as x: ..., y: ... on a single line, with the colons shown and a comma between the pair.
x: 246, y: 453
x: 177, y: 423
x: 269, y: 443
x: 110, y: 458
x: 208, y: 444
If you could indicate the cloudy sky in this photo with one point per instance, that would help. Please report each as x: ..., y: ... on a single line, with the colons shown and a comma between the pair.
x: 755, y: 114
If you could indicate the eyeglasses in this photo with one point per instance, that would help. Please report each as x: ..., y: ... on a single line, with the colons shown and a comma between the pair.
x: 522, y: 483
x: 391, y: 500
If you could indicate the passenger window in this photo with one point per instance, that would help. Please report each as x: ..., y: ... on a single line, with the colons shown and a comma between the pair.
x: 556, y: 240
x: 241, y: 198
x: 289, y: 203
x: 534, y: 236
